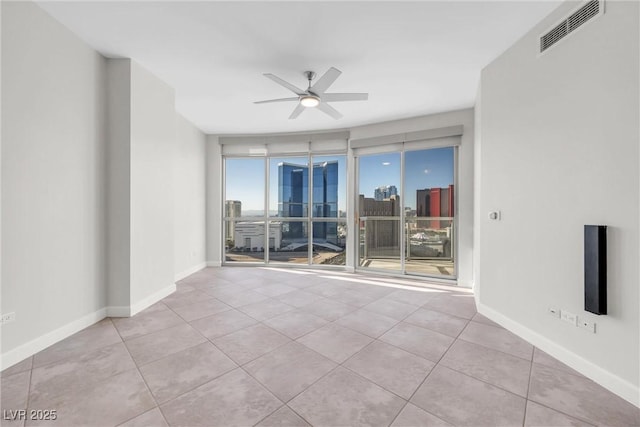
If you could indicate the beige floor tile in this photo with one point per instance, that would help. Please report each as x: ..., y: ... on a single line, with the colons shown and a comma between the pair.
x: 437, y: 321
x: 367, y: 322
x: 495, y: 367
x: 456, y: 304
x: 347, y: 400
x: 146, y: 322
x: 103, y: 405
x: 541, y: 416
x: 482, y: 319
x: 250, y: 343
x: 201, y: 309
x: 326, y: 289
x: 335, y: 342
x: 413, y: 297
x: 580, y: 397
x: 239, y: 401
x: 242, y: 298
x: 420, y: 341
x: 274, y: 289
x: 498, y: 339
x: 465, y: 401
x: 354, y: 298
x: 22, y: 366
x: 14, y: 392
x: 78, y: 372
x: 183, y: 371
x: 296, y: 323
x: 391, y: 308
x: 95, y: 336
x: 542, y: 358
x: 412, y: 416
x: 299, y: 298
x: 266, y: 309
x: 160, y: 344
x: 178, y: 299
x: 329, y: 310
x: 289, y: 369
x: 152, y: 418
x: 390, y: 367
x: 283, y: 417
x: 222, y: 323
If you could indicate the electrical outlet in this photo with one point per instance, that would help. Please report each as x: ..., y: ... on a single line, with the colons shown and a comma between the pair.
x: 569, y: 317
x: 586, y: 324
x: 555, y: 312
x: 9, y: 317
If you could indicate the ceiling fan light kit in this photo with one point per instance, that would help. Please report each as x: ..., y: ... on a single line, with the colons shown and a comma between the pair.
x: 315, y: 95
x: 309, y: 101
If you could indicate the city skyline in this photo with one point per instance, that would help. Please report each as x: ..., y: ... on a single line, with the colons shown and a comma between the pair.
x: 433, y: 168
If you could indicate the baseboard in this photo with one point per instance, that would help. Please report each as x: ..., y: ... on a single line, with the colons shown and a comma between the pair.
x: 152, y: 299
x: 214, y: 264
x: 118, y: 311
x: 606, y: 379
x: 30, y: 348
x: 189, y: 271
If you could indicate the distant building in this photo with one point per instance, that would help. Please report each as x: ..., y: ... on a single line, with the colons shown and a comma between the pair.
x: 435, y: 202
x: 232, y: 210
x: 385, y: 192
x: 250, y: 236
x: 293, y: 194
x: 381, y: 236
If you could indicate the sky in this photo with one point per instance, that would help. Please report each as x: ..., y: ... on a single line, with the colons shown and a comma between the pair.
x: 423, y: 169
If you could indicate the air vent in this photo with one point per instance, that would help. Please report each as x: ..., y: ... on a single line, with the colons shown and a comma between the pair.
x: 589, y: 10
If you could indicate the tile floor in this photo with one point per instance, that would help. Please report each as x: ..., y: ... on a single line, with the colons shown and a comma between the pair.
x: 267, y: 347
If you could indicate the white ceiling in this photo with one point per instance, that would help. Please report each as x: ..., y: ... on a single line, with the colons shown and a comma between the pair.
x: 413, y: 58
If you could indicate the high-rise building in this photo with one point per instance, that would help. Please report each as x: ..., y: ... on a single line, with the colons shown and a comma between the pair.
x: 293, y: 192
x: 435, y: 202
x: 385, y: 192
x: 232, y: 210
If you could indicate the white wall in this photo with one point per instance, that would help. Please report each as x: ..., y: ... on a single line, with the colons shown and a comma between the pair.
x: 214, y: 205
x: 153, y: 136
x: 118, y: 183
x: 189, y: 199
x: 559, y: 149
x: 53, y: 178
x: 465, y: 173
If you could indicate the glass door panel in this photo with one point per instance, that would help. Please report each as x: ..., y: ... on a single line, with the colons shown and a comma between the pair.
x: 379, y: 210
x: 244, y: 224
x: 429, y: 212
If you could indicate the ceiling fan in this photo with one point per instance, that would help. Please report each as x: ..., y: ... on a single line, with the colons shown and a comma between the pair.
x: 315, y: 95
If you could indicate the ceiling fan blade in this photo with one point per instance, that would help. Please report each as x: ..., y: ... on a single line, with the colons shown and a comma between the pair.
x: 336, y: 97
x: 288, y: 85
x: 296, y: 111
x: 276, y: 100
x: 328, y: 109
x: 326, y: 80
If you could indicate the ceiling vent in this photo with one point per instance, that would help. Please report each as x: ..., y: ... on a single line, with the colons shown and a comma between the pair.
x: 588, y: 11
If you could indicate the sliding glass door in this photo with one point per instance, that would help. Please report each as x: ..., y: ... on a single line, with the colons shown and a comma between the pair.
x: 406, y: 208
x: 379, y: 206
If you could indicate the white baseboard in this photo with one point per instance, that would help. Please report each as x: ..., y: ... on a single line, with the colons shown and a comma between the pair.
x: 189, y: 271
x: 30, y: 348
x: 152, y: 299
x: 118, y: 311
x: 214, y: 264
x: 606, y: 379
